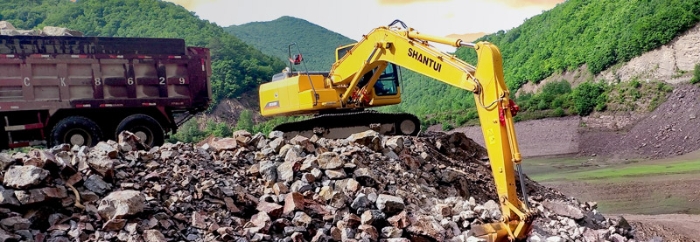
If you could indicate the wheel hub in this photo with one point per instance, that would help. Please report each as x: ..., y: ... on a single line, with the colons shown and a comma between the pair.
x: 77, y: 139
x: 142, y: 135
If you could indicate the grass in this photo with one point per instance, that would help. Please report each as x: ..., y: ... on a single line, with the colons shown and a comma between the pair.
x: 656, y: 203
x: 630, y: 186
x: 624, y: 171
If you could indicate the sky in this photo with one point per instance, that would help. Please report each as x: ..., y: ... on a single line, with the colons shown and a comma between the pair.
x: 468, y: 19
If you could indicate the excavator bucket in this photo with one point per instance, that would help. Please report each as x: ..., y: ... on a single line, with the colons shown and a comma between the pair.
x: 497, y: 232
x: 494, y: 232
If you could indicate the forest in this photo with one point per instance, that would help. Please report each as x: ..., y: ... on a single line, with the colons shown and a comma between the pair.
x: 317, y: 44
x: 596, y: 34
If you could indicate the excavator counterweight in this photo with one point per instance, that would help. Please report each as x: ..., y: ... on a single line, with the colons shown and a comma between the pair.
x: 366, y: 75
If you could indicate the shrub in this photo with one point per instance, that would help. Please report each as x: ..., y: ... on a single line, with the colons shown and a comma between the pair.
x: 588, y: 97
x: 559, y: 112
x: 556, y: 88
x: 542, y: 105
x: 472, y: 114
x: 461, y: 120
x: 635, y: 83
x: 696, y: 74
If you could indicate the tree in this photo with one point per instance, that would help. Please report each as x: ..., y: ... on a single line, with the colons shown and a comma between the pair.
x: 587, y: 96
x: 245, y: 121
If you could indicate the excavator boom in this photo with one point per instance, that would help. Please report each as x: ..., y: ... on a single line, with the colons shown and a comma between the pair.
x: 365, y: 76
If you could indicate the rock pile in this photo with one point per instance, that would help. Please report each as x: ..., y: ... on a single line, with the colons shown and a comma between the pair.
x: 6, y: 28
x: 265, y: 188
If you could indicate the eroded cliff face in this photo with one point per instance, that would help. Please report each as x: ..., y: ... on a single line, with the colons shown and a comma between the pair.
x: 672, y: 63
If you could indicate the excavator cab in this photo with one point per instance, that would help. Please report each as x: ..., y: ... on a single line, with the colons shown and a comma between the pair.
x: 388, y: 82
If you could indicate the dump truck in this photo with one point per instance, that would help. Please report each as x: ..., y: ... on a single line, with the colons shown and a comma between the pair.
x: 82, y: 90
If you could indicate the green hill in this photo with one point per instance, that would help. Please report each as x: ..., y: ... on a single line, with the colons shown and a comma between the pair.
x: 237, y: 67
x: 598, y: 33
x: 595, y: 33
x: 317, y: 44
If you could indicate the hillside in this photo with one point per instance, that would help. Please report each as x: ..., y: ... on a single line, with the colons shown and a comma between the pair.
x: 598, y: 34
x: 317, y: 44
x: 589, y: 36
x: 666, y: 131
x: 237, y: 67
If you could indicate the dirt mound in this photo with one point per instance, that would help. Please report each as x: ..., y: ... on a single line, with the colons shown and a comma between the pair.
x: 672, y: 129
x: 229, y: 110
x: 545, y: 137
x: 257, y: 188
x: 671, y: 227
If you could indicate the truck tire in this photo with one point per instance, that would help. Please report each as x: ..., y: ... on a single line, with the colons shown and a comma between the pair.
x: 76, y: 130
x: 143, y: 126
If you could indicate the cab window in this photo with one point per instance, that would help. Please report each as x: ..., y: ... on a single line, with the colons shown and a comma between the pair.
x: 388, y: 82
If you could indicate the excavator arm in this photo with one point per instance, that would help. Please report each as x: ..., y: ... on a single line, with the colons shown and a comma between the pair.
x: 410, y: 49
x: 338, y: 98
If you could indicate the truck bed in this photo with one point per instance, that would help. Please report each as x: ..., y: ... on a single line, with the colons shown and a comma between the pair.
x: 124, y: 76
x: 79, y: 90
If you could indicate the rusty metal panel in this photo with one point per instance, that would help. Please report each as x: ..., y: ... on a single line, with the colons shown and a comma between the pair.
x: 177, y: 80
x: 115, y: 81
x: 11, y: 82
x: 42, y: 74
x: 147, y: 81
x: 79, y: 81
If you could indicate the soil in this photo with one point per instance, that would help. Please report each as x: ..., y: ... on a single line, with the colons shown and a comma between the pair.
x: 229, y: 110
x: 673, y: 193
x: 553, y: 136
x: 670, y: 130
x: 669, y: 227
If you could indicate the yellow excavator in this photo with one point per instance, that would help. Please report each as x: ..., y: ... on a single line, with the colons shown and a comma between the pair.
x: 366, y: 75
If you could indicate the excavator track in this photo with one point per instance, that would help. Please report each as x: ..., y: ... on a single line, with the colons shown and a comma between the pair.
x: 342, y: 125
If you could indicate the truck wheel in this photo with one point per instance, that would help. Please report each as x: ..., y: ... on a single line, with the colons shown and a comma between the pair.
x: 76, y: 130
x: 143, y: 126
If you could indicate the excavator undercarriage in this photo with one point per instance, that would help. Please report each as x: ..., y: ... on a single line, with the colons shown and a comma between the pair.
x: 343, y: 124
x: 366, y: 75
